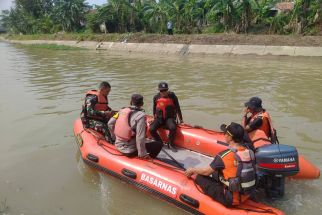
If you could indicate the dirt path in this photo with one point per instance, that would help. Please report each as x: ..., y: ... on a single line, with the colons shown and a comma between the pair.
x: 200, y: 39
x: 231, y: 39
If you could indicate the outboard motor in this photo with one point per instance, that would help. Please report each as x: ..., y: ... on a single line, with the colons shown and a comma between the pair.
x: 275, y: 162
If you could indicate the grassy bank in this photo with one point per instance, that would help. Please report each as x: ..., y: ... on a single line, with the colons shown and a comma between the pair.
x: 71, y: 36
x: 206, y: 39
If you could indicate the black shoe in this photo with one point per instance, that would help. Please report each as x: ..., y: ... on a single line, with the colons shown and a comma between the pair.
x: 172, y: 147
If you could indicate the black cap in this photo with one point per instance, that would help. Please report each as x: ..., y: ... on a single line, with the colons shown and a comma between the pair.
x: 137, y: 100
x: 235, y: 130
x: 104, y: 84
x: 163, y: 86
x: 254, y: 103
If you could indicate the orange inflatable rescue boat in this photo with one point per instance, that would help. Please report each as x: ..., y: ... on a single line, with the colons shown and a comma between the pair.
x: 211, y: 142
x: 165, y: 179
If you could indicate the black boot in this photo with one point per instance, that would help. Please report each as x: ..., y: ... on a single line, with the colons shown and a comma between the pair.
x: 172, y: 147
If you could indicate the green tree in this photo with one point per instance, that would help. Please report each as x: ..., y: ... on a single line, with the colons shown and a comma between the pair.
x: 30, y: 17
x: 34, y: 8
x: 156, y: 15
x: 69, y: 13
x: 306, y: 15
x: 4, y: 18
x: 138, y: 22
x: 188, y: 16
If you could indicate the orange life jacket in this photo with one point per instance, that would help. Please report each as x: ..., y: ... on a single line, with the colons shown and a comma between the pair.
x: 165, y: 104
x: 102, y: 104
x: 123, y: 130
x: 267, y: 125
x: 239, y: 174
x: 259, y: 138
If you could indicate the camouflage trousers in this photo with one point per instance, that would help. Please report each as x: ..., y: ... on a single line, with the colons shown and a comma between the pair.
x: 100, y: 127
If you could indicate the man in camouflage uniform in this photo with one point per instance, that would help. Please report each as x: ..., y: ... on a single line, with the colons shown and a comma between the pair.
x: 96, y: 112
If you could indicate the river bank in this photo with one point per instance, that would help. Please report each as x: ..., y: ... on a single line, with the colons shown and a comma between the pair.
x: 223, y: 44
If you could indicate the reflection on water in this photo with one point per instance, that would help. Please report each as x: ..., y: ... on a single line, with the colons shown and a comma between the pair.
x: 42, y: 92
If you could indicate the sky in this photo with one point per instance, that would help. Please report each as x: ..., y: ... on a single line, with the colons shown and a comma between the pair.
x: 5, y: 4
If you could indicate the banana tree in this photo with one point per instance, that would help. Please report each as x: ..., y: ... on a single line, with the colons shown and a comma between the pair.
x: 156, y: 14
x: 306, y: 14
x: 69, y: 13
x: 224, y: 11
x: 173, y: 11
x: 192, y: 15
x: 121, y: 11
x: 137, y: 15
x: 244, y: 13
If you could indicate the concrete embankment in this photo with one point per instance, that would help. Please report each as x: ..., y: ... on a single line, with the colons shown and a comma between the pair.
x: 185, y: 49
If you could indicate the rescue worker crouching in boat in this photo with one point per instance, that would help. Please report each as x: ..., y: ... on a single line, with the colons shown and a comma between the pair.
x: 259, y: 119
x: 166, y: 109
x: 128, y: 127
x: 96, y: 111
x: 233, y: 170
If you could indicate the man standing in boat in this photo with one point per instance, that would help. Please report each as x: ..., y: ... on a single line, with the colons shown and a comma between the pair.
x: 166, y: 109
x: 259, y: 119
x: 233, y: 170
x: 96, y: 112
x: 128, y: 127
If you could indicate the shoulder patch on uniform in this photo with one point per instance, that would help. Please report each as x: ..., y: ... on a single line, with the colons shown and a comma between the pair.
x: 224, y: 153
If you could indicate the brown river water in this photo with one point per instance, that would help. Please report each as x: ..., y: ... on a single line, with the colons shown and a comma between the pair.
x: 41, y: 92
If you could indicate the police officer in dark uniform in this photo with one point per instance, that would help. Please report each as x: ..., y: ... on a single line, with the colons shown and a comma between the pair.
x: 166, y: 109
